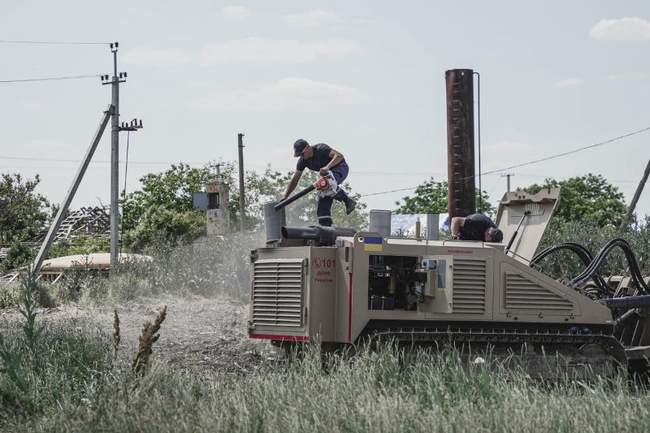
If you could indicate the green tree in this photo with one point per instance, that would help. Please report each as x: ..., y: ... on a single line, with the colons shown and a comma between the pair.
x: 589, y: 198
x: 23, y: 212
x: 162, y: 224
x: 80, y: 245
x: 162, y: 209
x: 431, y: 197
x: 171, y: 189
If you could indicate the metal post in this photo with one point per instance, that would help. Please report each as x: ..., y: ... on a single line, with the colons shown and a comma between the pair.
x: 242, y: 203
x: 507, y: 176
x: 115, y: 159
x: 478, y: 136
x: 460, y: 142
x: 45, y: 246
x: 637, y: 195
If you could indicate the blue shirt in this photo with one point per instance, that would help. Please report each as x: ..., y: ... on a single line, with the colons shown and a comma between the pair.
x: 320, y: 159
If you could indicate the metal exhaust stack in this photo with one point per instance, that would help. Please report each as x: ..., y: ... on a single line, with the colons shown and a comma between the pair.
x: 460, y: 142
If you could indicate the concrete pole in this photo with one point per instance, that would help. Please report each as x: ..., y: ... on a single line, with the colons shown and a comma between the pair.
x: 242, y: 203
x: 507, y: 176
x: 637, y: 195
x: 115, y: 160
x: 51, y: 234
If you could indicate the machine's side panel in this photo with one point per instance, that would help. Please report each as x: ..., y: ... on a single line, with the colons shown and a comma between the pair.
x: 279, y: 297
x: 526, y: 295
x: 322, y: 293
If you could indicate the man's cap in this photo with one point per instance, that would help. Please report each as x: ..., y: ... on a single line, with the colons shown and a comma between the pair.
x: 495, y: 234
x: 299, y: 146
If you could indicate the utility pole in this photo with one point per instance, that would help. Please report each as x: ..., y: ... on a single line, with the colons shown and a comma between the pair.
x: 637, y: 195
x: 507, y: 176
x: 115, y: 81
x: 242, y: 204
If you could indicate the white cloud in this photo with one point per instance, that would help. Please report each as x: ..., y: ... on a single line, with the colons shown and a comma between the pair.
x: 311, y: 19
x: 160, y: 57
x: 235, y: 12
x: 569, y: 82
x: 622, y: 29
x: 288, y: 94
x: 259, y: 51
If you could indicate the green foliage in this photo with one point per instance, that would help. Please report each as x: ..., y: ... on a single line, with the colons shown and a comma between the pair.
x: 80, y: 245
x: 23, y: 212
x: 162, y: 224
x: 170, y: 190
x: 589, y: 198
x: 162, y: 209
x: 63, y: 363
x: 565, y: 265
x: 431, y: 197
x: 18, y: 255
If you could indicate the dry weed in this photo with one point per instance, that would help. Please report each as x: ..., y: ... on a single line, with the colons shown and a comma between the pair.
x: 116, y: 333
x: 147, y: 339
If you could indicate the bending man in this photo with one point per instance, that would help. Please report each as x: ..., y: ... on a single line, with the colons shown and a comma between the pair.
x: 475, y: 227
x: 323, y: 159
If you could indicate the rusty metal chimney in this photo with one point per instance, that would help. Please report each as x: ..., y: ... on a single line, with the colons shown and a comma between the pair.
x: 460, y: 142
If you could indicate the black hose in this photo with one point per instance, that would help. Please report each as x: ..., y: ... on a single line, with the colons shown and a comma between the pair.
x: 585, y: 256
x: 600, y: 258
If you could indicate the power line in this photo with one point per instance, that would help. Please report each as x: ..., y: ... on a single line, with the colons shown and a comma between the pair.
x: 535, y: 161
x: 8, y: 41
x: 70, y: 77
x: 570, y: 152
x: 388, y: 192
x: 99, y: 161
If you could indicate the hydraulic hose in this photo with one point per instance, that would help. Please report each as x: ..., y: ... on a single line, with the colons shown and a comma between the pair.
x: 601, y: 257
x: 585, y: 256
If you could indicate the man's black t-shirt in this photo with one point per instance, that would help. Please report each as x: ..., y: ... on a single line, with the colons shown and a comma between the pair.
x: 474, y: 227
x: 320, y: 159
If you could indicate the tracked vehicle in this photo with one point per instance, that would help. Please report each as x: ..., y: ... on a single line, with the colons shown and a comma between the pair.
x: 338, y: 287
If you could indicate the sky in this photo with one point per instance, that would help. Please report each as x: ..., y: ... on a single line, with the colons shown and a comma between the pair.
x: 366, y: 77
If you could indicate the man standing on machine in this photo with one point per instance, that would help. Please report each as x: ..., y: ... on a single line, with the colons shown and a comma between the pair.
x: 323, y: 159
x: 475, y: 227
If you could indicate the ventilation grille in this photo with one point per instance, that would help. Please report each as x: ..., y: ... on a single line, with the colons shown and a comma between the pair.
x: 524, y: 294
x: 277, y: 292
x: 469, y: 286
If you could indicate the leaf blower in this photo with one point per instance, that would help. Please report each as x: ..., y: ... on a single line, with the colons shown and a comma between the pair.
x: 325, y: 186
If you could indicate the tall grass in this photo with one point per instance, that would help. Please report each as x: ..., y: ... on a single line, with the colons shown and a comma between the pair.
x: 376, y: 392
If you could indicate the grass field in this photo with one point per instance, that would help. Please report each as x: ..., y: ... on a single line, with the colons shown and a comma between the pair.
x: 63, y: 376
x: 65, y: 379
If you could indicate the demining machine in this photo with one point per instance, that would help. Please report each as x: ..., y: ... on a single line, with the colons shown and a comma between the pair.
x: 339, y: 286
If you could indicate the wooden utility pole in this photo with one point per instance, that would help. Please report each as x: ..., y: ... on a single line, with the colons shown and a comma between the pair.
x: 242, y: 203
x: 637, y: 195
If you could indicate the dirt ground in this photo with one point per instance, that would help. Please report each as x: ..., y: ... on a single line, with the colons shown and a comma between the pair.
x: 198, y: 334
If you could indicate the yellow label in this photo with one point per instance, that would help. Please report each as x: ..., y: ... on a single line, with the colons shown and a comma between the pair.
x: 373, y: 247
